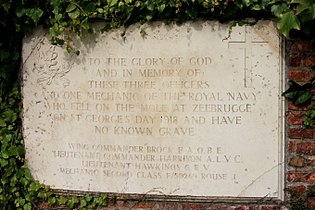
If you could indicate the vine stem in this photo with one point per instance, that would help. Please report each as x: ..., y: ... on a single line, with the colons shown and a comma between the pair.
x: 79, y: 7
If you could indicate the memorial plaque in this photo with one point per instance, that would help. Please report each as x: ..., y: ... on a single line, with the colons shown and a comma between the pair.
x: 185, y: 110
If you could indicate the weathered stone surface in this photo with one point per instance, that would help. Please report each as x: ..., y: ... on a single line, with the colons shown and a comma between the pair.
x: 182, y: 111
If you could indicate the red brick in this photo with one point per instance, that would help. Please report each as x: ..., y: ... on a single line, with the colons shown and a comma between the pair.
x: 311, y: 202
x: 300, y: 133
x: 298, y: 189
x: 309, y: 61
x: 300, y: 75
x: 301, y: 46
x: 311, y: 160
x: 191, y: 206
x: 308, y: 177
x: 291, y: 146
x: 295, y: 118
x: 203, y: 206
x: 295, y: 61
x: 119, y: 204
x: 139, y: 204
x: 218, y: 207
x: 242, y: 208
x: 270, y: 208
x: 43, y: 206
x: 297, y: 161
x: 293, y: 107
x: 295, y: 176
x: 143, y: 205
x: 306, y: 147
x: 163, y: 205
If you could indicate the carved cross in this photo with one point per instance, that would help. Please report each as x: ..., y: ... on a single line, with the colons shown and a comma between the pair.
x: 248, y: 46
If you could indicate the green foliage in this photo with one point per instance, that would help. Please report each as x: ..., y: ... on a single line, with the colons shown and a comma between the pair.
x: 18, y: 190
x: 299, y: 201
x: 75, y: 202
x: 67, y: 17
x: 295, y: 15
x: 299, y: 94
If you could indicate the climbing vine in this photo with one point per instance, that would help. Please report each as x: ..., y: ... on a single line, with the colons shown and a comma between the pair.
x: 63, y: 18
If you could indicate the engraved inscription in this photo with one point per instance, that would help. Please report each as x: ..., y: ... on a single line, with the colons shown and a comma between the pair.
x: 50, y: 70
x: 247, y: 45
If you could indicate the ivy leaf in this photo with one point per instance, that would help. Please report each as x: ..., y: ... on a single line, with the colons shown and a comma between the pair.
x: 278, y: 10
x: 74, y: 14
x: 90, y: 7
x: 19, y: 150
x: 150, y: 7
x: 58, y: 17
x: 27, y: 206
x: 9, y: 116
x: 161, y: 7
x: 7, y: 137
x: 20, y: 12
x: 72, y: 202
x: 83, y: 203
x: 34, y: 186
x: 20, y: 202
x: 137, y: 4
x: 309, y: 118
x: 112, y: 2
x: 88, y: 198
x: 303, y: 97
x: 302, y: 5
x: 70, y: 8
x: 35, y: 14
x: 62, y: 200
x: 24, y: 183
x: 2, y: 123
x: 246, y: 2
x: 11, y: 151
x: 294, y: 88
x: 298, y: 93
x: 4, y: 54
x: 306, y: 16
x: 85, y: 24
x: 148, y: 17
x: 4, y: 154
x: 6, y: 6
x: 287, y: 22
x: 55, y: 3
x: 52, y: 200
x: 42, y: 194
x: 256, y: 7
x: 3, y: 162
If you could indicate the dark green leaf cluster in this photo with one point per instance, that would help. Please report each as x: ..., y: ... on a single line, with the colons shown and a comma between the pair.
x: 74, y: 202
x: 303, y: 94
x: 296, y: 15
x: 299, y: 94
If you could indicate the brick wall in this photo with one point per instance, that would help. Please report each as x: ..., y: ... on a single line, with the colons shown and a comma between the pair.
x: 301, y: 145
x: 300, y: 151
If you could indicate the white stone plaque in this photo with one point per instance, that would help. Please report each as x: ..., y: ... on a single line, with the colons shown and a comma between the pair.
x: 184, y: 110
